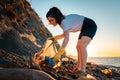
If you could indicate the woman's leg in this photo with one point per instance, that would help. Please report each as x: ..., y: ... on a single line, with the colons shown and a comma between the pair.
x: 82, y: 52
x: 79, y: 54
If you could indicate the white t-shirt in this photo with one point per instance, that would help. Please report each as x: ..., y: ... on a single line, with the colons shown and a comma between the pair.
x: 72, y: 22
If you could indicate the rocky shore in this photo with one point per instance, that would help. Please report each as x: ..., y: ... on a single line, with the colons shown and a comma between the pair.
x: 94, y: 72
x: 22, y: 34
x: 63, y: 72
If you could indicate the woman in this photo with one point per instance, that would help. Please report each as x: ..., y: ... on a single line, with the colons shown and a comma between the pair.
x: 73, y: 23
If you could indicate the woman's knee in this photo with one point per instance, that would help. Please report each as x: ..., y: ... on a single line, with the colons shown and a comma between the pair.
x: 78, y: 47
x: 81, y: 46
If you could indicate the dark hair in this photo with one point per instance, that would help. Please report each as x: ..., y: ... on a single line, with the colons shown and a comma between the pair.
x: 56, y: 13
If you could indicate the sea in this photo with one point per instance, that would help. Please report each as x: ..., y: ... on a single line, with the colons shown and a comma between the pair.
x: 111, y: 62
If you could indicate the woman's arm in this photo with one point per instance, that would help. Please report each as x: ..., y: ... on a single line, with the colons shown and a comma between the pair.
x: 61, y: 50
x: 66, y: 39
x: 57, y: 37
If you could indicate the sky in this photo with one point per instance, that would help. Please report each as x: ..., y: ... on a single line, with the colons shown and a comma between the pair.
x: 106, y: 14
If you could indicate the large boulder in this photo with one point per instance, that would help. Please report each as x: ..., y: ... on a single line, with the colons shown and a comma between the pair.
x: 23, y: 74
x: 22, y: 32
x: 21, y: 29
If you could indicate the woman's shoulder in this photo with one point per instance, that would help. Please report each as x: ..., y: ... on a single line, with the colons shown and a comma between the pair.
x: 73, y: 16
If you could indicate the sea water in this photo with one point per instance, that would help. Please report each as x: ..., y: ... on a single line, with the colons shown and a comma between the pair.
x: 107, y: 61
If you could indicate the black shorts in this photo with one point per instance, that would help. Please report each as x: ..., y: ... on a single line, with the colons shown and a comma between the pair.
x: 88, y: 29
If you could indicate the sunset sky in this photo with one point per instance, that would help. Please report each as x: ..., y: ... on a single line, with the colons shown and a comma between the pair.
x: 106, y: 14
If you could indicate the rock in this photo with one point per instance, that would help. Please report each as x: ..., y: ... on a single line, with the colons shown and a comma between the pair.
x: 93, y: 71
x: 22, y: 32
x: 23, y: 74
x: 12, y: 60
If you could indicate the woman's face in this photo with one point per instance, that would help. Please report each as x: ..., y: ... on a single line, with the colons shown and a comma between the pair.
x: 52, y: 21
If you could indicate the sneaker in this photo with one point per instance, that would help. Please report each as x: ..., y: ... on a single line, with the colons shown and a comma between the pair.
x: 83, y: 74
x: 75, y: 70
x: 79, y: 72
